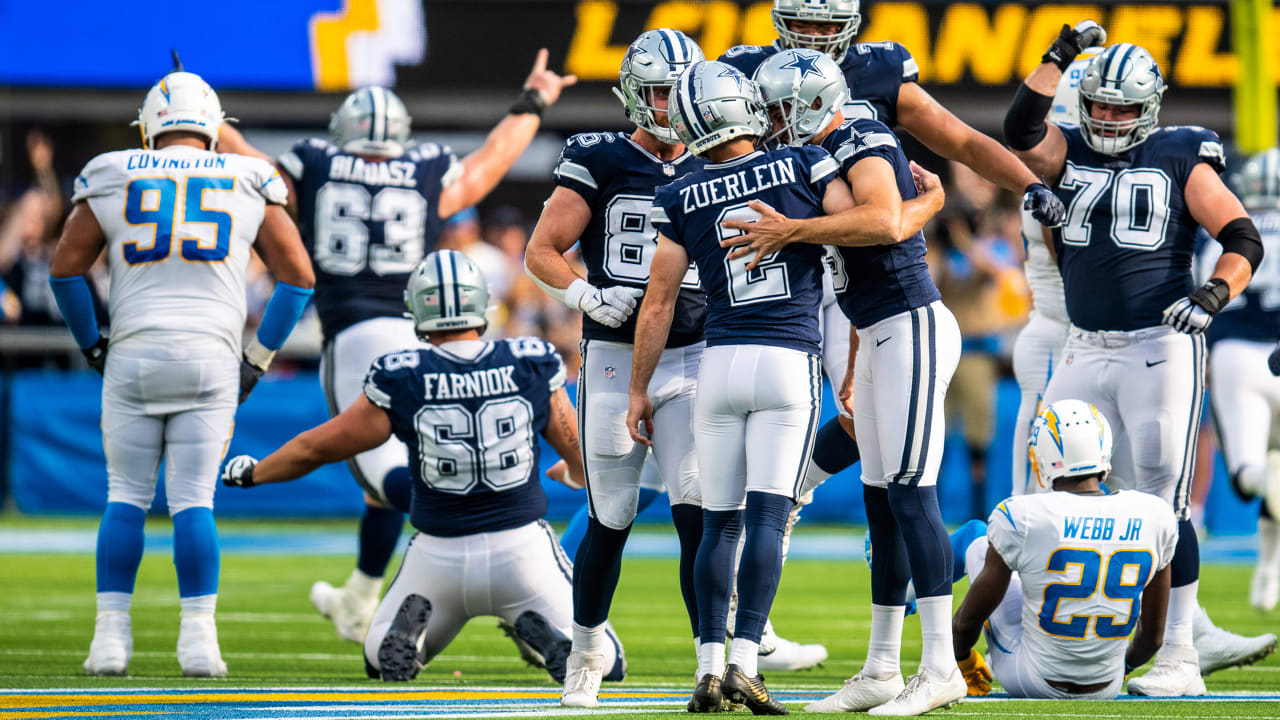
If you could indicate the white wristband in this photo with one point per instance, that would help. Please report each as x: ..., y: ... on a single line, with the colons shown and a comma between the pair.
x: 258, y: 354
x: 570, y: 296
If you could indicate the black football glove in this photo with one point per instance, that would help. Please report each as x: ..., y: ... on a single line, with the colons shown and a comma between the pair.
x: 1193, y: 313
x: 1072, y: 41
x: 96, y: 355
x: 1045, y: 207
x: 249, y: 376
x: 238, y: 471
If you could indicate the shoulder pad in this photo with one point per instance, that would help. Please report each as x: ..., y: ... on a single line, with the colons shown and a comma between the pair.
x: 100, y: 176
x: 737, y: 50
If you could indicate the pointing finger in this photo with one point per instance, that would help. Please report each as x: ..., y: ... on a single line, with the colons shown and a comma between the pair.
x: 540, y: 61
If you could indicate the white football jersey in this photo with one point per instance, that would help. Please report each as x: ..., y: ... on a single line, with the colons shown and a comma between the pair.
x: 1083, y: 561
x: 1043, y: 277
x: 179, y: 223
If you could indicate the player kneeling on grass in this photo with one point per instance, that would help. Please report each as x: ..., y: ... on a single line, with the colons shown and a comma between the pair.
x: 1038, y: 571
x: 469, y: 411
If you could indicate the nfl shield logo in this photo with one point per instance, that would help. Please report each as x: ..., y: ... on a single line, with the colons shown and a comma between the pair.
x: 609, y: 372
x: 668, y: 170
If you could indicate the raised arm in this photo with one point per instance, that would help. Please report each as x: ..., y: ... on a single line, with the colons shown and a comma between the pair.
x: 485, y: 167
x: 231, y: 140
x: 653, y: 323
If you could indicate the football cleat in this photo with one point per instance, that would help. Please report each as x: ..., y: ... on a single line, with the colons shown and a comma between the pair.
x: 583, y: 673
x: 112, y: 645
x: 923, y: 694
x: 1219, y: 649
x: 707, y: 696
x: 739, y: 688
x: 859, y: 694
x: 779, y: 653
x: 547, y: 642
x: 527, y: 653
x: 350, y: 607
x: 400, y: 656
x: 1175, y: 674
x: 198, y: 652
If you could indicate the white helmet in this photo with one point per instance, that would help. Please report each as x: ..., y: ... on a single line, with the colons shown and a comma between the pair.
x: 807, y: 89
x: 1258, y: 182
x: 713, y: 103
x: 446, y: 291
x: 654, y: 61
x: 1069, y: 438
x: 844, y: 12
x: 1066, y: 101
x: 371, y: 121
x: 181, y: 101
x: 1123, y: 74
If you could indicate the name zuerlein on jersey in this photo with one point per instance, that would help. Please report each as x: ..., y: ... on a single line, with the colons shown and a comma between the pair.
x: 387, y: 172
x: 478, y: 383
x: 740, y: 184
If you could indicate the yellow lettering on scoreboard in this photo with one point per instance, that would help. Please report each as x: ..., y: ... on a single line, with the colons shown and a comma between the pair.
x: 1199, y: 63
x: 905, y: 23
x: 591, y: 57
x: 1154, y: 27
x: 968, y: 37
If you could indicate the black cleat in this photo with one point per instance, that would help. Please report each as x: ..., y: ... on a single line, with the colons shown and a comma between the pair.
x: 400, y: 656
x: 707, y: 696
x: 545, y: 640
x: 369, y: 669
x: 531, y: 657
x: 750, y: 692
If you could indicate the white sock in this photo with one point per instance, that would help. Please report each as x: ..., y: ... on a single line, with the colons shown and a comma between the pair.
x: 1268, y: 544
x: 364, y: 586
x: 743, y: 653
x: 884, y: 646
x: 710, y: 659
x: 1180, y: 623
x: 590, y: 640
x: 814, y: 475
x: 199, y: 604
x: 697, y: 655
x: 114, y: 601
x: 938, y: 655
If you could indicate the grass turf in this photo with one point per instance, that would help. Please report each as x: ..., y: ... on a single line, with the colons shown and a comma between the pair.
x: 271, y: 637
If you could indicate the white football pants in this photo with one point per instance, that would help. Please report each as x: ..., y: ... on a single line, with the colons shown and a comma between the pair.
x: 1245, y: 397
x: 1038, y: 348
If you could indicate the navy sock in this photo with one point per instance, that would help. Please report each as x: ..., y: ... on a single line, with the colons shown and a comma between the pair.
x: 761, y: 566
x: 379, y: 533
x: 397, y: 486
x: 195, y: 552
x: 120, y: 542
x: 595, y: 572
x: 833, y: 449
x: 713, y: 571
x: 890, y: 571
x: 573, y: 535
x: 688, y: 522
x: 928, y: 545
x: 1185, y: 567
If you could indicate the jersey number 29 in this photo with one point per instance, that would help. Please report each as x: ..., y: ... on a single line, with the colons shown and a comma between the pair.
x: 1127, y: 572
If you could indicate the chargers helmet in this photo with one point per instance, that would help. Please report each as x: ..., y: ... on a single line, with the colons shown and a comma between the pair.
x: 1069, y: 438
x: 371, y: 121
x: 1123, y: 74
x: 844, y: 12
x: 654, y: 61
x: 803, y: 87
x: 712, y: 103
x: 446, y: 291
x: 181, y: 101
x: 1258, y: 182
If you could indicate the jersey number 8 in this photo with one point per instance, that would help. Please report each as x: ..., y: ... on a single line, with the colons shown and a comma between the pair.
x: 154, y: 201
x: 461, y: 448
x: 343, y: 214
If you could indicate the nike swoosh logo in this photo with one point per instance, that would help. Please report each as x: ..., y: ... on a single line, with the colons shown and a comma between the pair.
x: 881, y: 342
x: 1153, y: 364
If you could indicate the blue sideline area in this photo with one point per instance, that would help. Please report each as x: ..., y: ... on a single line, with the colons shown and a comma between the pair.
x: 57, y: 464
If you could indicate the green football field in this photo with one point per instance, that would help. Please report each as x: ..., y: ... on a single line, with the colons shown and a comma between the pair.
x: 274, y: 641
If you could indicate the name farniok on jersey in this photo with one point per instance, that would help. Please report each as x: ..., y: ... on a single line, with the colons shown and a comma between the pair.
x: 478, y: 383
x: 740, y: 184
x: 386, y: 172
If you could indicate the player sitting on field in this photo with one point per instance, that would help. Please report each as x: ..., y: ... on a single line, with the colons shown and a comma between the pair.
x: 1037, y: 574
x: 469, y: 412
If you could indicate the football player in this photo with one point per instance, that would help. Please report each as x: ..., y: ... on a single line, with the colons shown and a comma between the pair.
x: 759, y: 394
x: 605, y: 184
x: 370, y: 207
x: 177, y: 222
x: 1137, y: 194
x: 1244, y: 396
x: 881, y: 77
x: 1061, y: 576
x: 469, y: 412
x: 900, y: 323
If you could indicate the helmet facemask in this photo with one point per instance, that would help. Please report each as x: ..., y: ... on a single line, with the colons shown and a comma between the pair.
x: 836, y: 45
x: 1127, y: 75
x: 638, y: 98
x: 653, y: 62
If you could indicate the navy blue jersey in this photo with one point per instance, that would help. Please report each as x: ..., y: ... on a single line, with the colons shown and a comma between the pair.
x: 778, y: 302
x: 366, y: 224
x: 616, y: 177
x: 472, y: 426
x: 881, y: 280
x: 1255, y: 313
x: 874, y: 71
x: 1125, y: 247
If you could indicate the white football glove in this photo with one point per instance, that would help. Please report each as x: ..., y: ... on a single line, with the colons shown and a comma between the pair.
x: 609, y: 306
x: 1187, y: 317
x: 239, y: 471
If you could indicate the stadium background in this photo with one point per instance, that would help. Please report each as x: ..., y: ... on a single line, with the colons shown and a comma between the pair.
x: 282, y: 67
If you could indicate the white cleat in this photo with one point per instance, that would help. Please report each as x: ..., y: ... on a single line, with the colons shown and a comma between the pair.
x: 112, y: 644
x: 1219, y: 649
x: 1170, y: 677
x: 923, y: 694
x: 582, y: 677
x: 859, y: 694
x: 350, y: 609
x: 790, y: 655
x: 198, y: 651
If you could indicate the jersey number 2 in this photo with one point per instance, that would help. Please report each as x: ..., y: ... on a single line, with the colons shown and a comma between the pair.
x: 343, y: 214
x: 154, y: 201
x: 1126, y: 575
x: 768, y: 281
